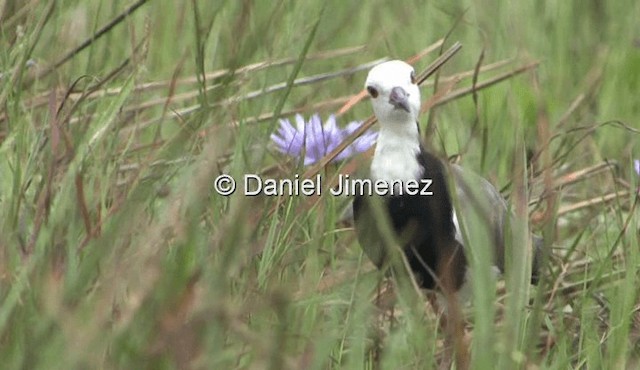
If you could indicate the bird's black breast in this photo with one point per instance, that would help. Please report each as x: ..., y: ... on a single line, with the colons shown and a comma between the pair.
x: 423, y: 225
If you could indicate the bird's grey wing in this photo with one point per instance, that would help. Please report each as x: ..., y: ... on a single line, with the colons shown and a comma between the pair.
x: 473, y: 191
x: 366, y: 230
x: 478, y: 200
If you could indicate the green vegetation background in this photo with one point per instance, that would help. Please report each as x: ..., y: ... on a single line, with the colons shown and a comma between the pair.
x: 116, y: 253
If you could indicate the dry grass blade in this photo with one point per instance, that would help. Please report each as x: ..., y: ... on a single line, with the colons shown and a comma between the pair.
x: 588, y: 131
x: 428, y: 50
x: 593, y: 202
x: 82, y: 204
x: 250, y: 68
x: 17, y: 73
x: 471, y: 73
x: 253, y: 94
x: 181, y: 113
x: 44, y: 199
x: 42, y: 99
x: 25, y: 8
x: 301, y: 82
x: 101, y: 32
x: 592, y: 81
x: 323, y: 105
x: 584, y: 173
x: 570, y: 179
x: 347, y: 102
x: 210, y: 76
x: 439, y: 62
x: 484, y: 84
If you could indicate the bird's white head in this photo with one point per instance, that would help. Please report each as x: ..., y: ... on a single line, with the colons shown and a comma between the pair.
x: 394, y: 93
x: 396, y: 103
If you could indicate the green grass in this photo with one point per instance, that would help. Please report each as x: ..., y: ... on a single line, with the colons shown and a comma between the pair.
x: 116, y: 252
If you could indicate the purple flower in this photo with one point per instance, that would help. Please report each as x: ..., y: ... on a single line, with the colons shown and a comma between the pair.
x: 316, y: 140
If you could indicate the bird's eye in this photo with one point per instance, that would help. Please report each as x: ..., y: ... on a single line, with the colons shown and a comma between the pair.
x: 372, y: 91
x: 413, y: 77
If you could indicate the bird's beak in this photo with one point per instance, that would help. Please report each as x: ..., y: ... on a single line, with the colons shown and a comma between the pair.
x: 399, y: 98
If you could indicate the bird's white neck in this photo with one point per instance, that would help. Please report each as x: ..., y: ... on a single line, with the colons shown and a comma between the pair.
x: 397, y: 150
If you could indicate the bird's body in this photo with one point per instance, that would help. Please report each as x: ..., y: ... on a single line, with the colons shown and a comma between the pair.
x: 426, y: 227
x: 424, y: 224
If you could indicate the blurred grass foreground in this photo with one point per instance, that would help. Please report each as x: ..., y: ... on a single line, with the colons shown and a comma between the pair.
x: 117, y: 116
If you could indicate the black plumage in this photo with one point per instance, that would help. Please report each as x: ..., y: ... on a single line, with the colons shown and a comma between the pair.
x: 423, y: 225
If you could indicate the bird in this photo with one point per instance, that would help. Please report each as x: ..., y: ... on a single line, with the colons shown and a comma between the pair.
x: 426, y: 227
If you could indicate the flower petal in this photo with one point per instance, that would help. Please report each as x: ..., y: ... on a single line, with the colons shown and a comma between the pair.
x: 365, y: 141
x: 281, y: 145
x: 331, y: 128
x: 288, y: 139
x: 313, y: 143
x: 315, y: 139
x: 352, y: 127
x: 299, y: 123
x: 286, y: 131
x: 636, y: 166
x: 346, y: 153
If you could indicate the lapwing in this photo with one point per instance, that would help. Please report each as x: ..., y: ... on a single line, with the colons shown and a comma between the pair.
x: 426, y: 227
